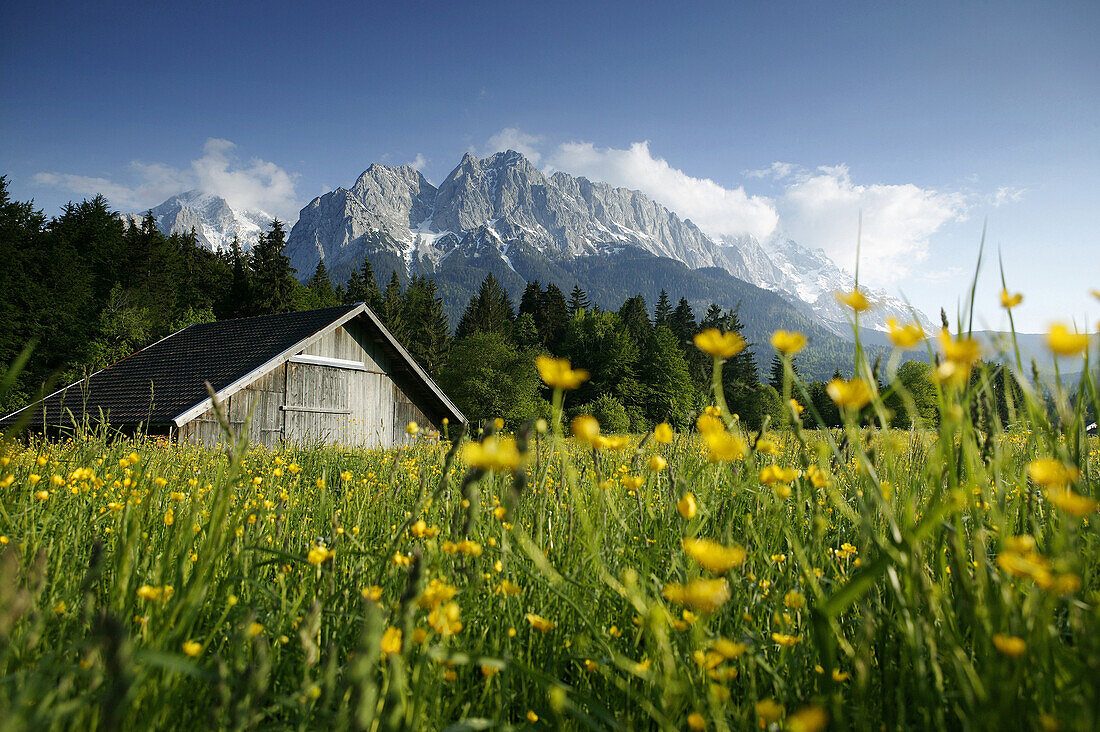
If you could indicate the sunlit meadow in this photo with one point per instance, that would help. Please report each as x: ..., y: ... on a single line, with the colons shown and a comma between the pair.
x: 798, y: 579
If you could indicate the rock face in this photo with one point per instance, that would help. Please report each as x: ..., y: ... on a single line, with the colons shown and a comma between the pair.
x: 215, y: 223
x: 503, y: 209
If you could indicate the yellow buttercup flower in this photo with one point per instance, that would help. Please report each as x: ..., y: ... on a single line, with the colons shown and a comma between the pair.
x: 962, y: 350
x: 687, y: 506
x: 1009, y: 300
x: 696, y: 721
x: 788, y: 342
x: 559, y: 373
x: 1052, y: 473
x: 719, y: 344
x: 1072, y: 503
x: 786, y: 640
x: 1009, y: 645
x: 319, y: 554
x: 662, y: 433
x: 771, y: 474
x: 412, y: 428
x: 1064, y: 343
x: 657, y: 463
x: 851, y: 393
x: 540, y: 623
x: 192, y: 648
x: 855, y: 299
x: 712, y: 556
x: 497, y: 454
x: 724, y: 447
x: 705, y: 595
x: 587, y: 430
x: 768, y: 711
x: 808, y: 719
x: 904, y: 336
x: 391, y: 641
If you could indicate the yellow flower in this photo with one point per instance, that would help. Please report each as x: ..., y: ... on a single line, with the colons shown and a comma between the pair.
x: 1052, y: 473
x: 696, y: 721
x: 662, y: 433
x: 1009, y: 645
x: 540, y: 623
x: 1064, y: 343
x: 498, y: 454
x: 786, y: 640
x: 1072, y: 503
x: 687, y: 506
x: 771, y: 474
x: 169, y: 517
x: 705, y: 595
x: 904, y: 336
x: 712, y: 556
x: 42, y: 495
x: 788, y: 342
x: 1009, y: 301
x: 794, y: 600
x: 767, y: 447
x: 587, y: 430
x: 657, y: 463
x: 254, y: 629
x: 532, y: 717
x: 850, y: 394
x: 768, y: 711
x: 488, y: 671
x: 855, y: 299
x: 718, y: 344
x: 961, y: 351
x: 319, y: 554
x: 723, y: 446
x: 412, y: 428
x: 391, y: 641
x: 808, y: 719
x: 436, y: 593
x: 192, y: 648
x: 558, y: 373
x: 374, y: 592
x: 728, y: 649
x: 446, y: 619
x: 146, y: 592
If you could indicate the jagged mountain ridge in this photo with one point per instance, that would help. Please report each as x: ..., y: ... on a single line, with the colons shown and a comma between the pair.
x: 214, y: 221
x: 506, y: 204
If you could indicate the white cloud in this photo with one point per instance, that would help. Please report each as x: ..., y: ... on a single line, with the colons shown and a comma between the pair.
x: 776, y: 170
x: 418, y: 162
x: 716, y: 210
x: 255, y: 184
x: 511, y: 138
x: 821, y: 208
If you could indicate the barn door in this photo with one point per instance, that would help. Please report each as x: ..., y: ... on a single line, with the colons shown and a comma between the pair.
x: 317, y: 404
x: 404, y: 411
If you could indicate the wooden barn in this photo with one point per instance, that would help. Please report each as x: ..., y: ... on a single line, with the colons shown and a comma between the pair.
x: 334, y: 375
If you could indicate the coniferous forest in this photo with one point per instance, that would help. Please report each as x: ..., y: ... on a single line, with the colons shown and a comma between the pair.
x: 85, y: 290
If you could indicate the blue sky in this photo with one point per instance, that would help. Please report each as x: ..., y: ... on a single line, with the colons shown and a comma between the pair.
x: 929, y: 118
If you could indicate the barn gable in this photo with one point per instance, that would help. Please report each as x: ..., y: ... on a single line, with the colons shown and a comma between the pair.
x: 334, y: 375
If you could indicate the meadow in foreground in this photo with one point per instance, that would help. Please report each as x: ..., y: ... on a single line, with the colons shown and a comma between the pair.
x: 800, y: 579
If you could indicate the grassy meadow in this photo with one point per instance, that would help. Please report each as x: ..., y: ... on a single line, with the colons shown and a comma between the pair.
x: 943, y: 577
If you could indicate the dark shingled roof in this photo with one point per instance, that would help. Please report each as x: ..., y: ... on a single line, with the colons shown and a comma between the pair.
x: 161, y: 381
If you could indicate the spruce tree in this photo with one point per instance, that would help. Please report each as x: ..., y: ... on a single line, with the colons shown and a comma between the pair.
x: 662, y: 315
x: 531, y: 300
x: 635, y: 317
x: 489, y: 311
x: 362, y: 287
x: 238, y: 302
x: 428, y: 336
x: 578, y: 300
x: 320, y: 287
x: 555, y: 317
x: 273, y: 285
x: 682, y: 323
x: 393, y: 309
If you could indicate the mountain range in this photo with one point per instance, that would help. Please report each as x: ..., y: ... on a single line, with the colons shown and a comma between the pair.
x: 502, y: 214
x: 214, y: 222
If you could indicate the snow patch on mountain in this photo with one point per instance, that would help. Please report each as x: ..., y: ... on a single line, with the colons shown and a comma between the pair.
x: 213, y: 220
